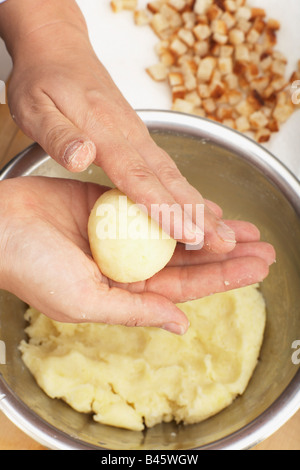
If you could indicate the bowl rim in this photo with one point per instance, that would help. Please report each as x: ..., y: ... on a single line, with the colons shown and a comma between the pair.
x: 288, y: 403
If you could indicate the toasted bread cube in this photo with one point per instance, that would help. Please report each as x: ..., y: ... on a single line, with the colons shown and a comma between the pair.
x: 273, y: 24
x: 198, y: 111
x: 183, y: 106
x: 257, y: 101
x: 201, y: 48
x: 190, y: 81
x: 159, y: 72
x: 119, y: 5
x: 214, y: 12
x: 141, y: 17
x: 217, y: 89
x: 253, y: 36
x: 282, y: 113
x: 254, y: 58
x: 189, y: 19
x: 203, y: 90
x: 205, y: 69
x: 244, y: 13
x: 231, y: 6
x: 225, y: 65
x: 228, y: 19
x: 278, y: 83
x: 245, y: 108
x: 229, y: 123
x: 202, y: 31
x: 281, y: 98
x: 258, y: 120
x: 242, y: 124
x: 215, y: 49
x: 278, y: 67
x: 268, y: 92
x: 159, y: 23
x: 189, y: 67
x: 178, y: 92
x: 258, y: 12
x: 226, y: 50
x: 231, y: 80
x: 186, y: 36
x: 244, y: 25
x: 193, y: 97
x: 269, y: 39
x: 236, y: 36
x: 242, y: 53
x: 216, y: 75
x: 167, y: 58
x: 155, y: 6
x: 201, y: 6
x: 218, y: 26
x: 252, y: 71
x: 178, y: 47
x: 178, y: 5
x: 209, y: 105
x: 259, y: 25
x: 277, y: 55
x: 234, y: 97
x: 226, y: 112
x: 220, y: 38
x: 174, y: 18
x: 175, y: 79
x: 161, y: 47
x: 266, y: 63
x: 260, y: 84
x: 273, y: 125
x: 263, y: 135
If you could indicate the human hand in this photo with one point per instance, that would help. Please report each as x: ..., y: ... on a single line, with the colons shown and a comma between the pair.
x: 45, y: 260
x: 63, y: 98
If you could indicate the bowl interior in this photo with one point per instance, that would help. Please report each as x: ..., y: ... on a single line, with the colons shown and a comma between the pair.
x: 245, y: 193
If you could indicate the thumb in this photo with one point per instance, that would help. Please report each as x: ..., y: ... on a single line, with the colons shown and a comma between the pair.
x: 57, y: 135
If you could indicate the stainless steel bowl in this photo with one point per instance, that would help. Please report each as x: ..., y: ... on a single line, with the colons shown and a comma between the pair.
x: 249, y: 183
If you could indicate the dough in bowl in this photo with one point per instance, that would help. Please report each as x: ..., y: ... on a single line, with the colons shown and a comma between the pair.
x: 132, y: 377
x: 127, y: 245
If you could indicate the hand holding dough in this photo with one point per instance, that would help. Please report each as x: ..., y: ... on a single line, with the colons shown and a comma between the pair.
x: 127, y: 245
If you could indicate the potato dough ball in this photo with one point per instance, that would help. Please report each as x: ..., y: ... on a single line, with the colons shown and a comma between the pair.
x: 127, y: 245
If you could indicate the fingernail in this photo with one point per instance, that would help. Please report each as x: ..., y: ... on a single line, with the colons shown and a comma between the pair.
x: 79, y: 155
x: 225, y: 233
x: 174, y: 328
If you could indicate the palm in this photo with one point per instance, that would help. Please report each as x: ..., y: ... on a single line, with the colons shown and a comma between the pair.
x: 54, y: 271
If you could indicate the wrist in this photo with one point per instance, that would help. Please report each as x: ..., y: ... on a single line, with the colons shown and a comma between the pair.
x: 20, y: 19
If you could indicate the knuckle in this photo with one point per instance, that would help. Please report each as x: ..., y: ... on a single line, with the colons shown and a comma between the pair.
x: 141, y: 172
x: 53, y: 136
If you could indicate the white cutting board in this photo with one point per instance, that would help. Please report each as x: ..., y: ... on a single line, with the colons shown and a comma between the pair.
x: 126, y: 50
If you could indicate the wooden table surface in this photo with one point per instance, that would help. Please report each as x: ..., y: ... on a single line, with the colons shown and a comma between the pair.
x: 12, y: 141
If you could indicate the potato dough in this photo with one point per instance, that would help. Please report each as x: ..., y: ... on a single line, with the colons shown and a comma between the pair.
x: 136, y: 377
x: 127, y: 245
